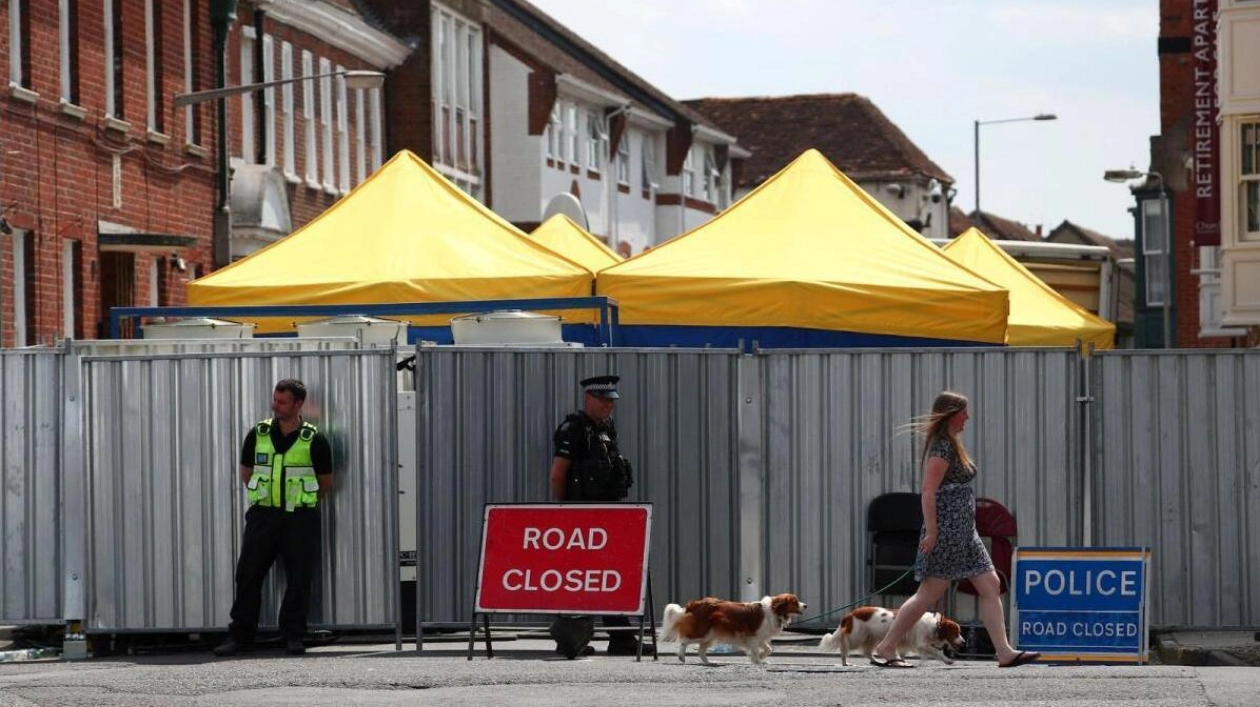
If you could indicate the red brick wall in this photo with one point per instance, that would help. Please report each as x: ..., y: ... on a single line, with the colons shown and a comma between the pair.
x: 56, y: 170
x: 1176, y: 83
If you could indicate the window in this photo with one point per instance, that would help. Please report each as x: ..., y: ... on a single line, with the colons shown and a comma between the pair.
x: 286, y: 109
x: 269, y: 101
x: 71, y: 286
x: 1153, y: 252
x: 594, y: 141
x: 68, y: 35
x: 325, y: 123
x: 155, y: 120
x: 623, y: 158
x: 648, y: 182
x: 457, y: 97
x: 20, y: 43
x: 1249, y: 177
x: 689, y: 174
x: 247, y: 100
x: 343, y: 136
x: 375, y: 129
x: 23, y: 297
x: 360, y: 135
x: 552, y: 138
x: 710, y: 176
x: 192, y: 74
x: 114, y: 59
x: 308, y: 118
x: 571, y: 133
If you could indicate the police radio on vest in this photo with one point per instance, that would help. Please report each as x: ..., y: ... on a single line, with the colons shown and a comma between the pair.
x: 1076, y: 582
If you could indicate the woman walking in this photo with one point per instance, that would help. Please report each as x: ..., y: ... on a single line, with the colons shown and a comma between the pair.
x: 950, y: 549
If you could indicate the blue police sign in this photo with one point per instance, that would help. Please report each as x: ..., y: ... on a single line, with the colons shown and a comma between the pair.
x: 1081, y: 604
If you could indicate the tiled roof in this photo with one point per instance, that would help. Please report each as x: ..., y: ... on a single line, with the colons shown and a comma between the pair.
x: 1068, y: 232
x: 524, y: 25
x: 1002, y: 229
x: 847, y: 128
x: 959, y: 222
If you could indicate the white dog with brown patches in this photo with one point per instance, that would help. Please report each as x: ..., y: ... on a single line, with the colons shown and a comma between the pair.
x: 865, y: 627
x: 748, y: 625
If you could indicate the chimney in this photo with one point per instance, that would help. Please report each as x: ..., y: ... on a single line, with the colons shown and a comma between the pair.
x: 1038, y: 231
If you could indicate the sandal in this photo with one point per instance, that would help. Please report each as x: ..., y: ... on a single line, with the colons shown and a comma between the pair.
x: 1024, y: 658
x: 898, y: 663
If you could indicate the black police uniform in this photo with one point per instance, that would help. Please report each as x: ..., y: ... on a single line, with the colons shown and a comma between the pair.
x: 274, y: 532
x: 597, y: 472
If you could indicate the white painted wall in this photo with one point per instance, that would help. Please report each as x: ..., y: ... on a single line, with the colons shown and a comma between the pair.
x: 516, y: 157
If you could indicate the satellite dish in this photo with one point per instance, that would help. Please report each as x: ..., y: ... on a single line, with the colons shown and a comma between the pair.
x: 567, y: 204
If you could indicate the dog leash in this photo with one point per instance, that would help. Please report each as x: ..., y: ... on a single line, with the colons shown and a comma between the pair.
x: 859, y: 602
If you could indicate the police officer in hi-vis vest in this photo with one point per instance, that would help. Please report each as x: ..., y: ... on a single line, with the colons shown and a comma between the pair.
x: 286, y: 465
x: 588, y: 466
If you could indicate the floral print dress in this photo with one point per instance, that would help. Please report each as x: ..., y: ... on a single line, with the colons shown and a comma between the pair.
x: 959, y: 552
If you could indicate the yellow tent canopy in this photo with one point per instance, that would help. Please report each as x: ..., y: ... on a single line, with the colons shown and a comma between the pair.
x: 405, y: 234
x: 564, y: 237
x: 808, y: 249
x: 1039, y: 315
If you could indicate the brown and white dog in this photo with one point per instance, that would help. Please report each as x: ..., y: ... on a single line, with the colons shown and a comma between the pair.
x: 748, y: 625
x: 866, y: 627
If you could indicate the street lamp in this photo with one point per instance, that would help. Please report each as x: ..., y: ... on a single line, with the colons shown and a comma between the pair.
x: 1124, y: 175
x: 222, y: 217
x: 354, y: 80
x: 976, y: 142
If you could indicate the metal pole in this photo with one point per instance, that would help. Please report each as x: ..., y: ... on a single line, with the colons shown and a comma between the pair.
x: 222, y: 15
x: 975, y: 142
x: 1169, y: 339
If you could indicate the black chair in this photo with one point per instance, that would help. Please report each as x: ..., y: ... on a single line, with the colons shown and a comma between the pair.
x: 893, y: 521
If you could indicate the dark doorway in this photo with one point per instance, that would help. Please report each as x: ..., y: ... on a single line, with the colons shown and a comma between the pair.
x: 118, y: 289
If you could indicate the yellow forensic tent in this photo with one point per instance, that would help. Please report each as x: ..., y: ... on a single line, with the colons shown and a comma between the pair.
x: 1039, y: 315
x: 564, y: 237
x: 807, y: 259
x: 405, y: 234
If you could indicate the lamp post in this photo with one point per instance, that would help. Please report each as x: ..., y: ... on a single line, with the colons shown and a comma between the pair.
x: 222, y: 213
x: 1124, y: 175
x: 976, y: 142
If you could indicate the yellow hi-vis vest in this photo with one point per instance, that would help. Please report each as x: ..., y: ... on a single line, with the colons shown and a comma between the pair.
x: 301, y: 488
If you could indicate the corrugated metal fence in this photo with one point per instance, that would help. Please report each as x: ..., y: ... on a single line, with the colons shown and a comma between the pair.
x: 760, y: 469
x: 1177, y: 451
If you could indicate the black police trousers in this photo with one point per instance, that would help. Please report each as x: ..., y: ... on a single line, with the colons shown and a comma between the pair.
x: 294, y: 538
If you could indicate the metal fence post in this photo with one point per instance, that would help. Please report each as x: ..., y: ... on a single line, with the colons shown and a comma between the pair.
x: 751, y: 481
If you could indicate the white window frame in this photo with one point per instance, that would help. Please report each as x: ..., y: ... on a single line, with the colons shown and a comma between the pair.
x: 376, y: 128
x: 189, y: 67
x: 594, y: 140
x: 553, y: 133
x: 648, y: 174
x: 155, y: 273
x: 710, y: 175
x: 457, y: 96
x: 18, y: 252
x: 63, y: 41
x: 572, y: 136
x: 1249, y: 181
x: 269, y: 101
x: 689, y: 174
x: 68, y: 294
x: 308, y: 116
x: 360, y: 135
x: 111, y: 107
x: 1151, y: 212
x: 15, y: 40
x: 247, y: 100
x: 623, y: 158
x: 343, y: 134
x: 329, y: 180
x: 286, y: 108
x: 150, y: 69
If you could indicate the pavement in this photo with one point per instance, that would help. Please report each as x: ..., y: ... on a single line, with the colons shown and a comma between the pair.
x: 1232, y: 648
x: 526, y: 671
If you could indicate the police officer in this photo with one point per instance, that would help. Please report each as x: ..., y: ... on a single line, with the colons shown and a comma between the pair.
x: 286, y: 464
x: 588, y: 466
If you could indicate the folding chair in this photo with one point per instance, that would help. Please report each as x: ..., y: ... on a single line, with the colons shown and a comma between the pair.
x: 893, y: 522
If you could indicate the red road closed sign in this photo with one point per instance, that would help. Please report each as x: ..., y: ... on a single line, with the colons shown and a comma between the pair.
x: 564, y: 558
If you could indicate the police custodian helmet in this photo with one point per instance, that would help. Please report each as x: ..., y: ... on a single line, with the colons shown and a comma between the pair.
x: 602, y: 386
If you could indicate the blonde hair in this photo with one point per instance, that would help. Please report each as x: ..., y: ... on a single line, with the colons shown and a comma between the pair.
x: 935, y: 425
